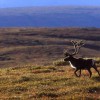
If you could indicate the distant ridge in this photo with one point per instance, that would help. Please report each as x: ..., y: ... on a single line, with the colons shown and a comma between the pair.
x: 56, y: 16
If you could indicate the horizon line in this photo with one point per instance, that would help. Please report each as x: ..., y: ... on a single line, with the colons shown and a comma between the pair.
x: 88, y: 6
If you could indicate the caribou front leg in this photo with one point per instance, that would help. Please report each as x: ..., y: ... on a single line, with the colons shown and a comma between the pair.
x: 94, y: 66
x: 80, y: 73
x: 76, y: 73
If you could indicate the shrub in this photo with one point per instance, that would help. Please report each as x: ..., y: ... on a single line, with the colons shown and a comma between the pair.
x: 60, y: 63
x: 97, y: 61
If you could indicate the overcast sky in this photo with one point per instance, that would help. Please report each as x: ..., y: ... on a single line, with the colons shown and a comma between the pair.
x: 23, y: 3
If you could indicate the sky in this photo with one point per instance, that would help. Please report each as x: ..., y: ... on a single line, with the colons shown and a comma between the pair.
x: 28, y: 3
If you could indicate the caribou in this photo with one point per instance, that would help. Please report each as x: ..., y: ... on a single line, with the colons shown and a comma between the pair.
x: 79, y: 63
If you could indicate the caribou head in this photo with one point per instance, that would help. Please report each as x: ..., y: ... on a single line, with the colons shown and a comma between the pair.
x: 77, y: 46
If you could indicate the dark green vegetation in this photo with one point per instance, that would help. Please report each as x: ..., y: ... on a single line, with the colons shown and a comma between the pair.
x: 36, y: 46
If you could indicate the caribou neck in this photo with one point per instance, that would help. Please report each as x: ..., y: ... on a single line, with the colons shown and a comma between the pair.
x: 72, y: 62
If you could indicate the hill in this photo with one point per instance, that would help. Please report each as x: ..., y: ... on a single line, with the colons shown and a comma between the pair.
x: 42, y: 46
x: 66, y: 16
x: 26, y: 51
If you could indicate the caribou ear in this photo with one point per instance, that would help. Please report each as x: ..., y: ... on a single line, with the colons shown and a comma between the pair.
x: 66, y: 54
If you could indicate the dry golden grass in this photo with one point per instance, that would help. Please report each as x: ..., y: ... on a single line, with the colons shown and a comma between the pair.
x: 47, y: 83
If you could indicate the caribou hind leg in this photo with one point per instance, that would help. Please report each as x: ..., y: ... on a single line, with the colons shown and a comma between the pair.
x: 95, y: 67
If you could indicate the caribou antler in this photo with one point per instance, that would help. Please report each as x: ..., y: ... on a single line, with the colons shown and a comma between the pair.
x: 77, y: 45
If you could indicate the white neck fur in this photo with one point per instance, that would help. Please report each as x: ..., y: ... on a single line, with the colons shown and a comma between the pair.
x: 72, y: 65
